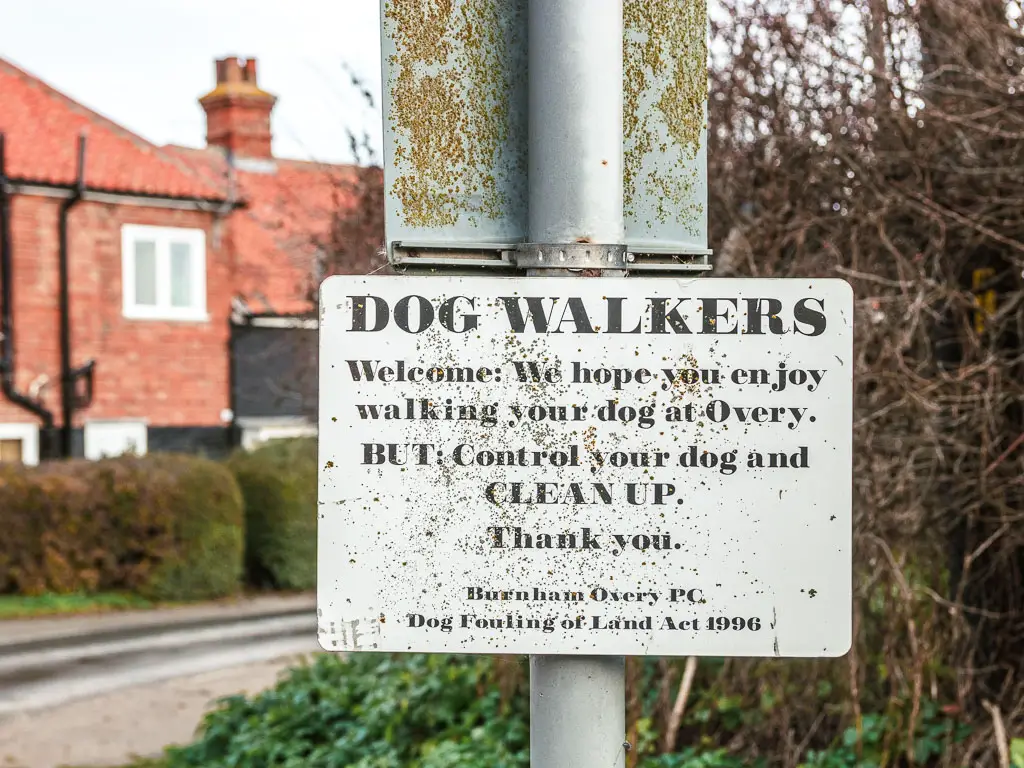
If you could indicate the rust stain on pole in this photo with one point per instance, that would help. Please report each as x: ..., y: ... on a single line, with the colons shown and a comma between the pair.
x: 664, y: 46
x: 453, y: 76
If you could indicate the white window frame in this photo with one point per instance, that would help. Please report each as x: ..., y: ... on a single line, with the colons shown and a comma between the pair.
x: 256, y: 432
x: 91, y: 426
x: 29, y: 436
x: 162, y: 236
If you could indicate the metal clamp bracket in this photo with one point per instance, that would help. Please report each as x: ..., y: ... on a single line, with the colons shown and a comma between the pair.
x: 572, y: 256
x: 512, y: 258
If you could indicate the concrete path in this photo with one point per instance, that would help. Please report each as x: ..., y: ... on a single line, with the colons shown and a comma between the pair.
x: 110, y: 729
x: 95, y: 689
x: 49, y: 677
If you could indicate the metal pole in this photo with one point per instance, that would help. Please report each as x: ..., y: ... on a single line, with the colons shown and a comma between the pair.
x: 577, y: 711
x: 575, y: 121
x: 577, y: 703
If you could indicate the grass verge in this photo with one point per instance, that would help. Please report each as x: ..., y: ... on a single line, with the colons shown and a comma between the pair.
x: 25, y: 607
x: 141, y: 762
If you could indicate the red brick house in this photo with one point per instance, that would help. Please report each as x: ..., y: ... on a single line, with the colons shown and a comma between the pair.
x: 133, y: 274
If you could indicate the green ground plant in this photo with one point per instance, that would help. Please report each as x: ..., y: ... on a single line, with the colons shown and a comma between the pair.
x: 369, y: 711
x: 441, y: 711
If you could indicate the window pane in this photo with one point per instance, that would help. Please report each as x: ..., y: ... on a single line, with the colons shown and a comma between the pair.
x: 10, y: 451
x: 181, y: 275
x: 145, y: 273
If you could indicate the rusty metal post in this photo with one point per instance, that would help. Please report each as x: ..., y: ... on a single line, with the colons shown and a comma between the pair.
x: 577, y: 703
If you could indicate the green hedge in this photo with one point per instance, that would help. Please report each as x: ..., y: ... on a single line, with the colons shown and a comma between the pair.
x: 166, y: 527
x: 279, y: 485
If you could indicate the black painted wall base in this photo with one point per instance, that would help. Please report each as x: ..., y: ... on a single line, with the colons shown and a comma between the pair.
x: 213, y: 442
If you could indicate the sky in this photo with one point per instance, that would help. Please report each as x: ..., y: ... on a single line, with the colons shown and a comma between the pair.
x: 144, y: 63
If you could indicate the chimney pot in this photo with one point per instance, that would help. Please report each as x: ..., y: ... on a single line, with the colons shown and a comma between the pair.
x: 236, y: 69
x: 237, y: 110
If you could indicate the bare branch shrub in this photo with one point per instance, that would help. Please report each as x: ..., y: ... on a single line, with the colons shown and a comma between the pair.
x: 356, y: 241
x: 882, y: 141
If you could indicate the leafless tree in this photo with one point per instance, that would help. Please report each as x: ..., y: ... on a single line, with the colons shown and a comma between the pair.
x: 356, y: 241
x: 352, y: 244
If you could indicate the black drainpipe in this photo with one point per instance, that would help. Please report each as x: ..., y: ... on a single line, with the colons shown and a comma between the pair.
x: 234, y: 430
x: 34, y: 407
x: 67, y: 376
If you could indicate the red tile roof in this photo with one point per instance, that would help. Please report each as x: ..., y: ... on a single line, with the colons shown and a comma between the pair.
x: 288, y: 213
x: 287, y: 207
x: 42, y: 127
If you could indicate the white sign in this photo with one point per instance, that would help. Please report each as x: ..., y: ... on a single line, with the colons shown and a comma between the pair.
x: 586, y: 466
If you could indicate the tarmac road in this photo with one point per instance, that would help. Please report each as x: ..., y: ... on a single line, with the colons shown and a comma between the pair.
x: 97, y: 691
x: 46, y: 678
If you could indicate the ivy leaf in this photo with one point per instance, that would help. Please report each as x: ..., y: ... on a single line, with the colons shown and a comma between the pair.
x: 1017, y: 753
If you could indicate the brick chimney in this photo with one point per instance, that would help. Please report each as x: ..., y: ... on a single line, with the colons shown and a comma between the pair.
x: 238, y: 111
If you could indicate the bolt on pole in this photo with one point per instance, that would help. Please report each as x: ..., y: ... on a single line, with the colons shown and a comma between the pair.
x: 577, y: 703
